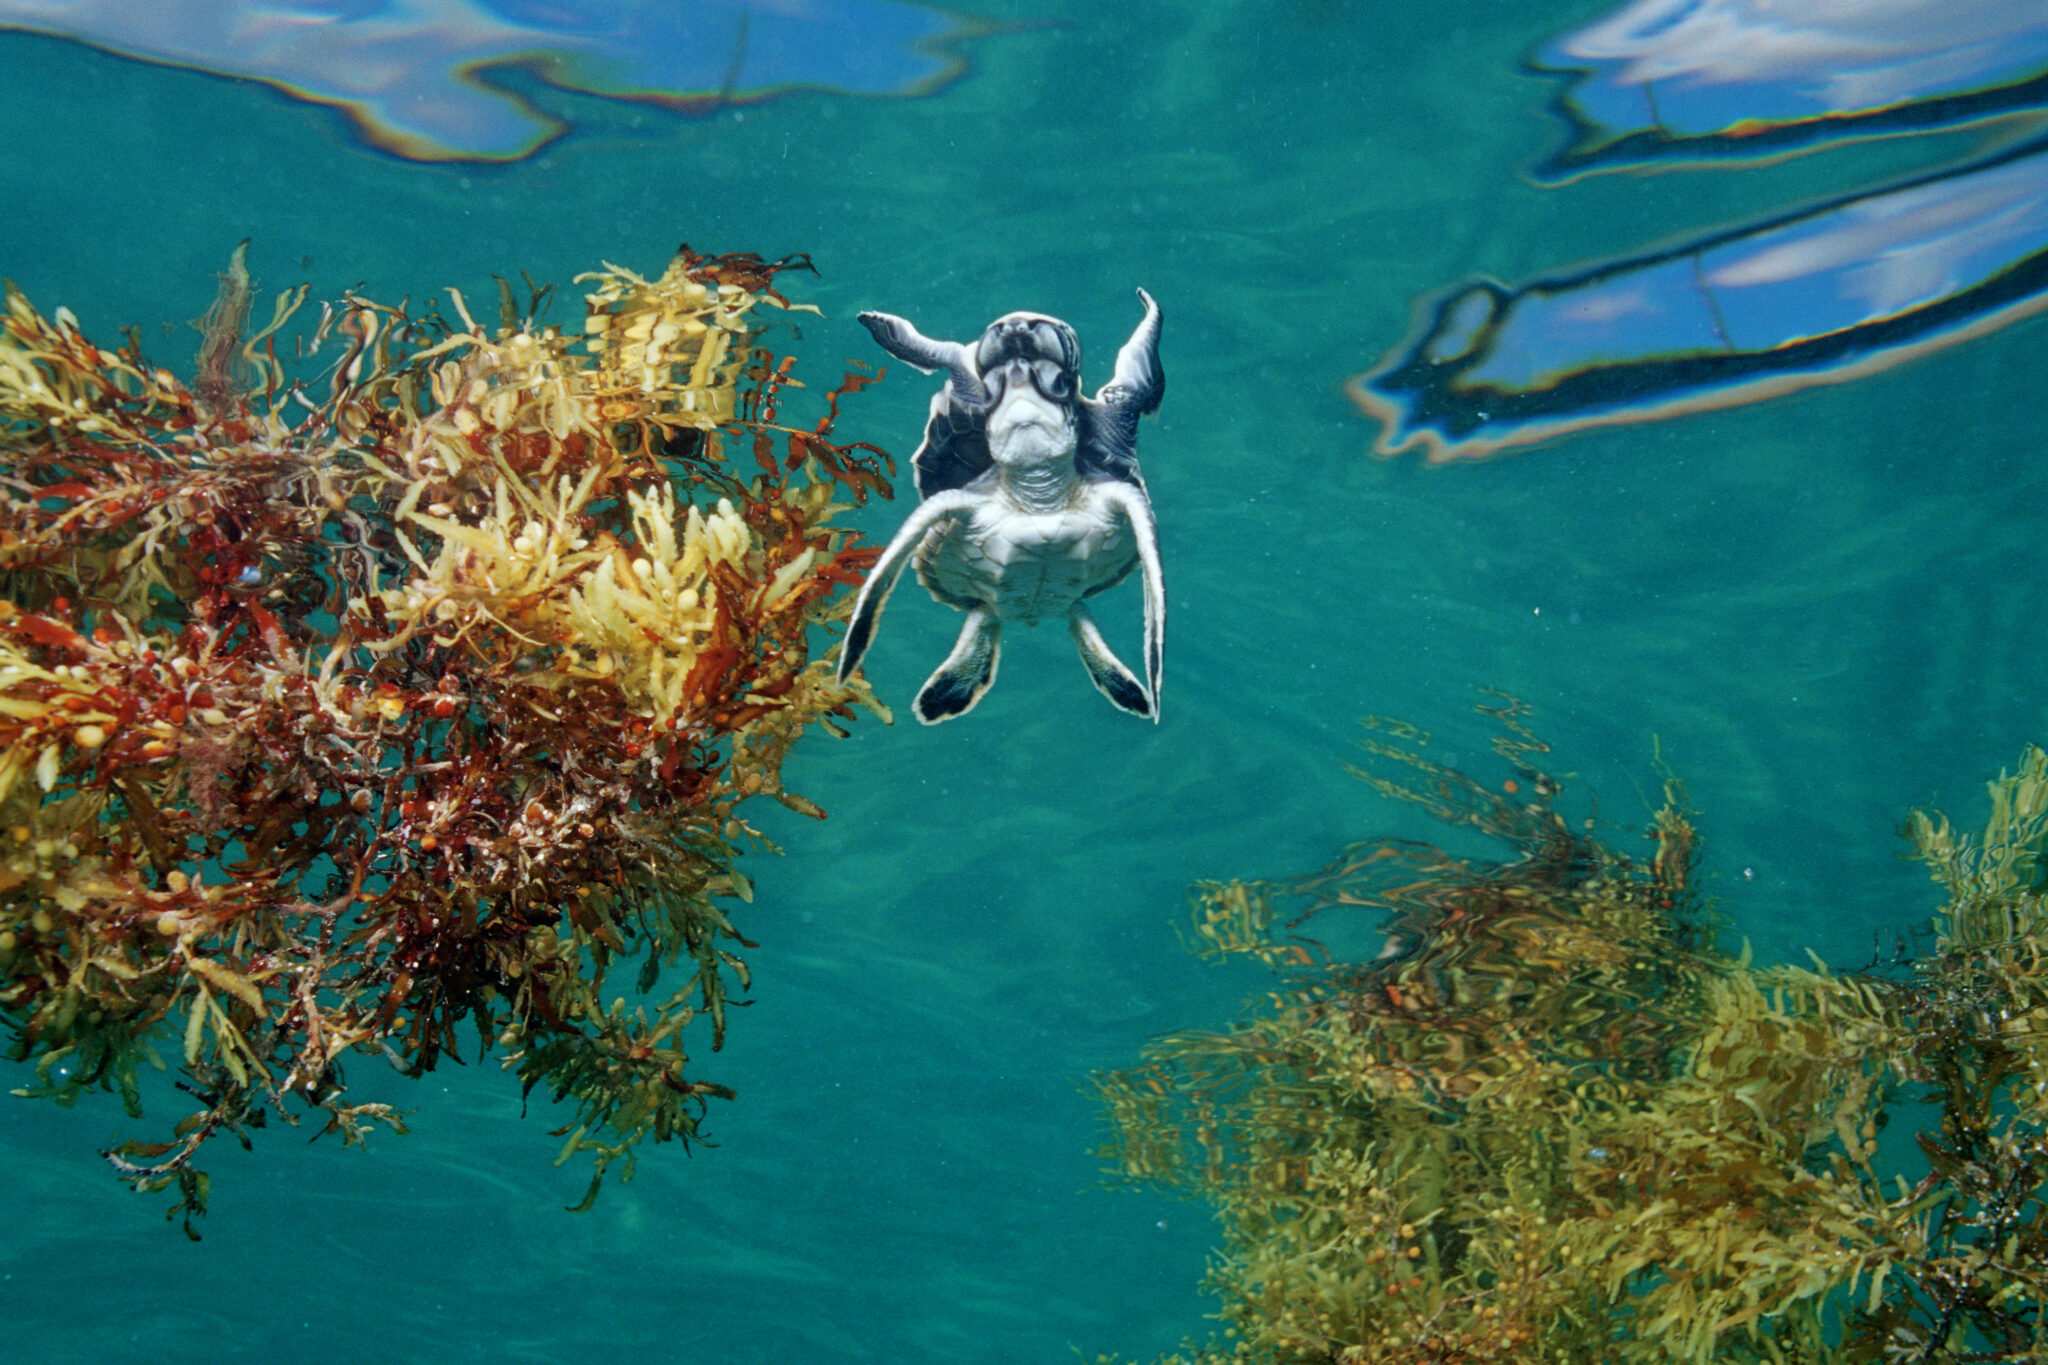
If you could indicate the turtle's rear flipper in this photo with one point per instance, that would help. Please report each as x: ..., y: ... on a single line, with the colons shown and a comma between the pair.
x: 1105, y: 670
x: 969, y: 671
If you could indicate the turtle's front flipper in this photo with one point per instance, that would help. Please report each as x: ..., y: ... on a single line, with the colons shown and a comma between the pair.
x: 1140, y: 380
x: 1105, y: 670
x: 874, y: 594
x: 913, y: 347
x: 1109, y: 443
x: 969, y: 670
x: 1137, y: 510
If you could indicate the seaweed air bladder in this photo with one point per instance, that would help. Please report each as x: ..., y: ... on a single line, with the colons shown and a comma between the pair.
x: 393, y: 713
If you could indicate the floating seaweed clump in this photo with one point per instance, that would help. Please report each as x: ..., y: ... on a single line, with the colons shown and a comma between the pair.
x: 356, y: 720
x: 1553, y: 1122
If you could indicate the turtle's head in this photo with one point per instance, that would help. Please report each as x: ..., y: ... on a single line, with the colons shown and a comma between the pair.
x: 1030, y: 346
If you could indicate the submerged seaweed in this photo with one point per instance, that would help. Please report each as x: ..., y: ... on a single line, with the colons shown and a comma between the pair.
x: 351, y: 720
x: 1554, y: 1122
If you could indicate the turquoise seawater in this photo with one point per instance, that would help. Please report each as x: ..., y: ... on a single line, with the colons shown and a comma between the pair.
x: 1822, y: 611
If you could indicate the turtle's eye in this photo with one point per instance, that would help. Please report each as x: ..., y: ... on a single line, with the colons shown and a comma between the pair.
x: 1002, y: 343
x: 1055, y: 341
x: 1054, y: 382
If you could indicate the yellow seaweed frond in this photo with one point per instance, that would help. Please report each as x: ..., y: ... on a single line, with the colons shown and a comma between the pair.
x: 1553, y: 1121
x: 334, y: 716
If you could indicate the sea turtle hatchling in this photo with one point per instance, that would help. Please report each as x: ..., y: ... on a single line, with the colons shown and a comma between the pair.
x: 1032, y: 502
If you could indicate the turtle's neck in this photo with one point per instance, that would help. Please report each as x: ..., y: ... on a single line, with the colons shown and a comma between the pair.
x: 1032, y: 443
x: 1044, y: 486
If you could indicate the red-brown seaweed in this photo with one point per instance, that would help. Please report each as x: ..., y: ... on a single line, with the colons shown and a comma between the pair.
x: 388, y: 716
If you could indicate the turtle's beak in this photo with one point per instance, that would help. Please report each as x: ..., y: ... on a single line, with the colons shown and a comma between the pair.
x: 1027, y: 336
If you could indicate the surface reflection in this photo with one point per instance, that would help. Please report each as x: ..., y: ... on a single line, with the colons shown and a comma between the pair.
x: 1819, y: 294
x: 443, y: 80
x: 1660, y: 79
